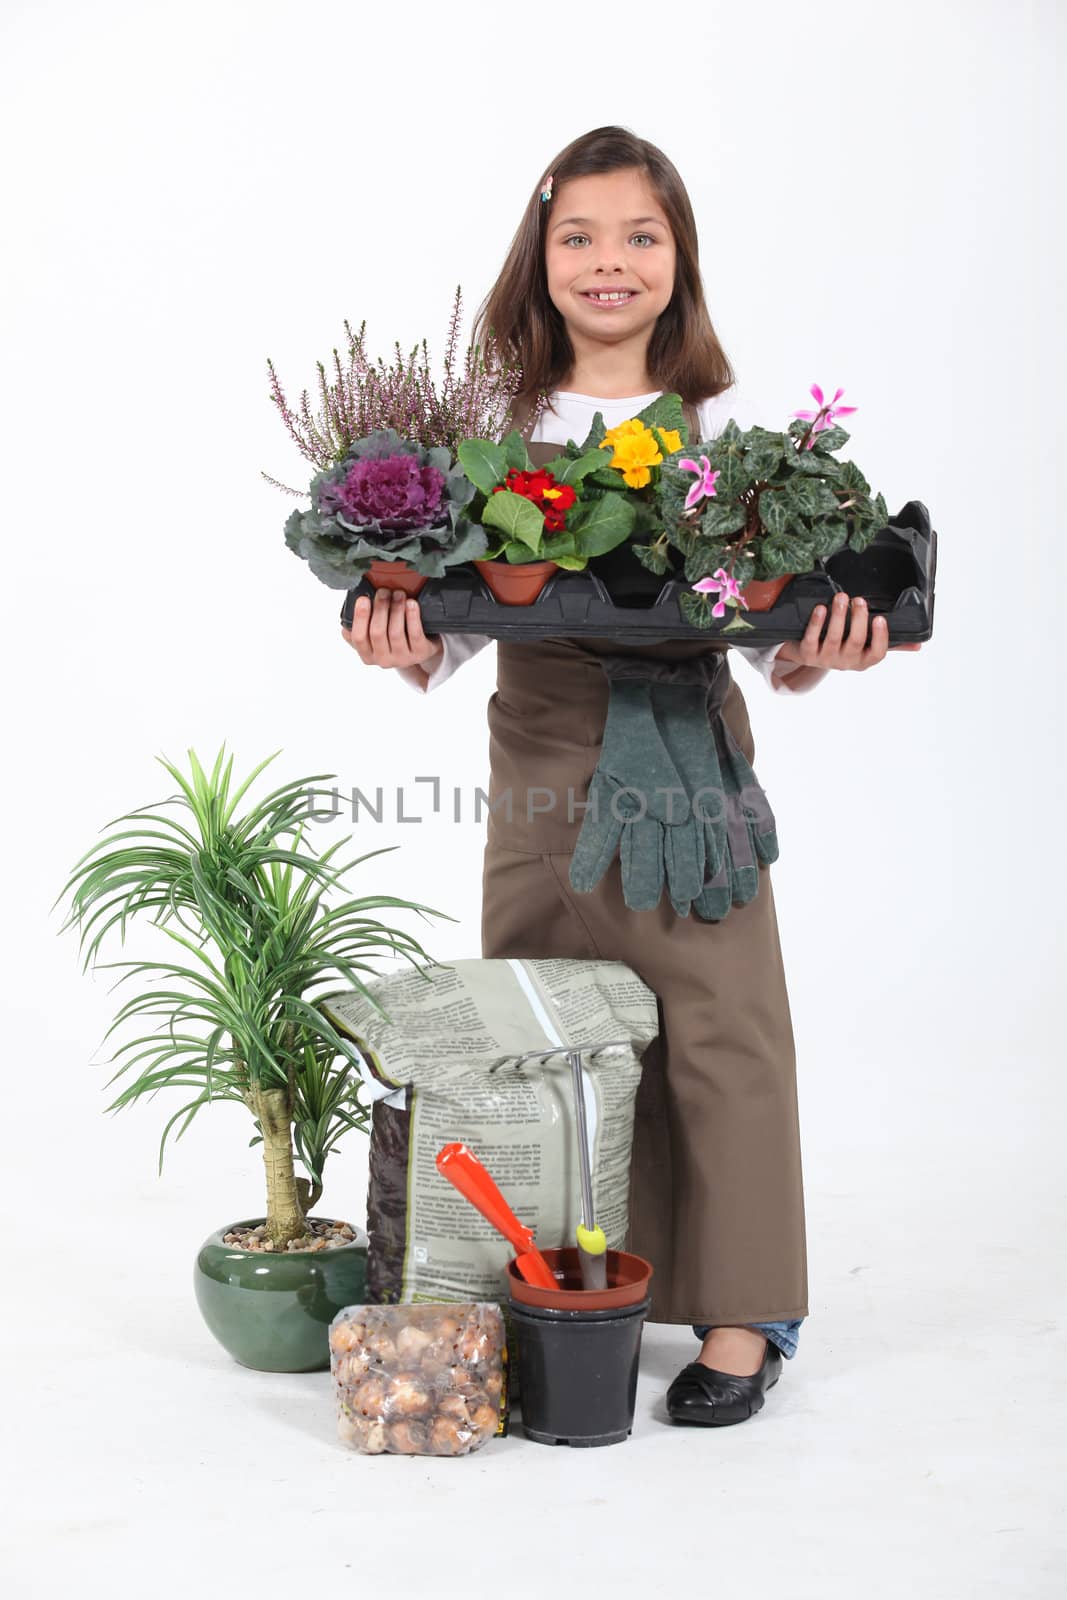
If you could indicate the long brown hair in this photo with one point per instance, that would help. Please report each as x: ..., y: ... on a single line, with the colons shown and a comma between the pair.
x: 684, y: 354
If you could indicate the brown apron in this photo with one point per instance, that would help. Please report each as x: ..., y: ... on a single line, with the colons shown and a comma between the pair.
x: 716, y: 1190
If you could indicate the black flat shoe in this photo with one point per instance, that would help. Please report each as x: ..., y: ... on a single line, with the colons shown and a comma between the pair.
x: 711, y: 1399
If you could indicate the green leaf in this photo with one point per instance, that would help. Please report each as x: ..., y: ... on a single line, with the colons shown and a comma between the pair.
x: 782, y: 553
x: 516, y: 455
x: 516, y: 516
x: 773, y: 511
x: 722, y: 519
x: 573, y: 472
x: 812, y: 464
x: 762, y: 460
x: 806, y: 497
x: 595, y: 434
x: 696, y: 609
x: 705, y: 557
x: 654, y: 557
x: 666, y: 412
x: 735, y: 475
x: 851, y: 478
x: 607, y: 477
x: 829, y: 535
x: 601, y: 525
x: 484, y: 462
x: 830, y: 439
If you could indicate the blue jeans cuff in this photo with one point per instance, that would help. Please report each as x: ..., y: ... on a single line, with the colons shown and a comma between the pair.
x: 783, y: 1334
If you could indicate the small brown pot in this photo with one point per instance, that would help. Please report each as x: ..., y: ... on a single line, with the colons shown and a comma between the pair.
x: 628, y: 1277
x: 395, y: 575
x: 761, y: 594
x: 516, y: 583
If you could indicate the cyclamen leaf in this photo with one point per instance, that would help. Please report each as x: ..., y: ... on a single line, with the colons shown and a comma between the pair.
x: 734, y: 475
x: 815, y: 465
x: 696, y: 609
x: 773, y: 512
x: 829, y: 536
x: 666, y: 412
x: 808, y: 497
x: 831, y: 439
x: 652, y: 557
x: 851, y: 478
x: 702, y: 561
x: 720, y: 520
x: 762, y: 460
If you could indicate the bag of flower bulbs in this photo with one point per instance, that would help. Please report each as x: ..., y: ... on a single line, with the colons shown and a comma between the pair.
x: 422, y: 1380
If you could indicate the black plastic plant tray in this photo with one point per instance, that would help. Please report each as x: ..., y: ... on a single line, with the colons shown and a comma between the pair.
x: 617, y: 598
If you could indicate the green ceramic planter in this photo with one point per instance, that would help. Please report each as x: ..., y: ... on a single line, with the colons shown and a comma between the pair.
x: 273, y: 1312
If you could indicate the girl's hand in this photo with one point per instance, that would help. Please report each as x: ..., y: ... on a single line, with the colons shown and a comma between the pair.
x: 389, y: 632
x: 853, y: 655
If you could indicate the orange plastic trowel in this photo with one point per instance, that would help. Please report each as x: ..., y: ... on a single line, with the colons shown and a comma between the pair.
x: 465, y: 1172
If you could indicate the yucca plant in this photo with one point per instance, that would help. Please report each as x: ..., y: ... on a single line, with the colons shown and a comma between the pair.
x: 246, y: 897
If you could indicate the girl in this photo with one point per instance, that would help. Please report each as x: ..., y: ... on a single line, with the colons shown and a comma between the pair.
x: 716, y: 1199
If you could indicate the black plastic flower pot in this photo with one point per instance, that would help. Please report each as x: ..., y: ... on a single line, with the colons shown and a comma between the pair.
x: 578, y: 1372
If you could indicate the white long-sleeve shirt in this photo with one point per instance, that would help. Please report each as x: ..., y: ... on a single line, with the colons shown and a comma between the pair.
x: 572, y: 419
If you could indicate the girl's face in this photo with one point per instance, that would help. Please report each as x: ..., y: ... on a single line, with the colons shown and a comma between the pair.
x: 607, y: 234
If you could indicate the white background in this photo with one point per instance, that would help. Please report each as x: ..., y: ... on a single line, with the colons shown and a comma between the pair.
x: 189, y: 189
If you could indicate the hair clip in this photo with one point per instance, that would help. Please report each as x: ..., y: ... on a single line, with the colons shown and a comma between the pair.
x: 546, y: 192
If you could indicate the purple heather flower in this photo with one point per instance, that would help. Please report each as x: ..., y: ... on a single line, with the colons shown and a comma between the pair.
x: 393, y: 491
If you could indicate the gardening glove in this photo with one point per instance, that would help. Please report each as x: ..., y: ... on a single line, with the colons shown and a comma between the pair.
x: 720, y: 783
x: 637, y: 803
x: 682, y: 706
x: 751, y: 837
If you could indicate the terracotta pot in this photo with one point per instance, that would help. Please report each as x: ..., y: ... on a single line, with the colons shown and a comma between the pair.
x: 395, y: 575
x: 763, y: 593
x: 628, y: 1278
x: 518, y: 583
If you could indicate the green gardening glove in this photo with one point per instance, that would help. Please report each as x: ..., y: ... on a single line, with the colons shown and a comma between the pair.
x: 751, y: 837
x: 637, y: 803
x: 681, y: 712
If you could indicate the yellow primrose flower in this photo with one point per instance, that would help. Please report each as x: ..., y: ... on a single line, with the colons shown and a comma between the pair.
x: 635, y: 451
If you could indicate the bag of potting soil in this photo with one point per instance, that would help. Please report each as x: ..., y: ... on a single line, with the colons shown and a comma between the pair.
x: 443, y: 1068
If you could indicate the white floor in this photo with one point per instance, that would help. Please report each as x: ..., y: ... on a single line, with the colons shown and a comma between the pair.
x: 913, y: 1448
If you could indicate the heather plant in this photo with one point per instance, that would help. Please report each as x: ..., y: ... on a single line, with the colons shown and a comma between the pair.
x: 366, y: 396
x: 251, y: 907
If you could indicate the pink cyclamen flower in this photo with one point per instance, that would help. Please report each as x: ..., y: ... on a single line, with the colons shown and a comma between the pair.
x: 705, y: 484
x: 725, y: 587
x: 824, y: 417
